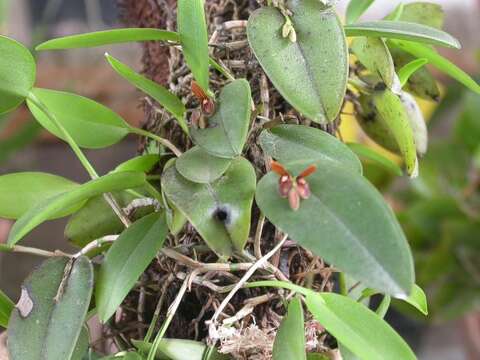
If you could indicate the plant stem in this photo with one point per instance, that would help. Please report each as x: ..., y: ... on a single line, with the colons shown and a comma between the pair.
x: 157, y: 138
x: 31, y: 251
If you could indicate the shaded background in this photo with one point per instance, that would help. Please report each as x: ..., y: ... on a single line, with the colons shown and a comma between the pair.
x: 86, y: 73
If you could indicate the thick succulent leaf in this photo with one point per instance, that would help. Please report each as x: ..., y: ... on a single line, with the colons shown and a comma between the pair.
x: 227, y: 129
x: 385, y: 120
x: 409, y: 69
x: 192, y: 28
x: 17, y: 73
x: 373, y: 53
x: 49, y: 318
x: 6, y: 307
x: 46, y: 209
x: 143, y: 163
x: 422, y: 83
x: 302, y: 70
x: 164, y: 97
x: 199, y: 166
x: 108, y: 37
x: 220, y: 211
x: 126, y: 260
x: 81, y: 347
x: 441, y: 63
x: 304, y: 145
x: 403, y: 31
x: 19, y: 192
x: 290, y: 339
x: 368, y: 153
x: 425, y: 13
x: 356, y: 8
x: 89, y: 123
x: 353, y: 324
x: 334, y: 223
x: 175, y: 349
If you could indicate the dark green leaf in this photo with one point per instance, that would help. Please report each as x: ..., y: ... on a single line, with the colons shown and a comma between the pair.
x: 81, y: 347
x: 164, y: 97
x: 192, y: 28
x: 356, y: 8
x: 175, y: 349
x: 290, y: 339
x: 353, y: 324
x: 198, y: 166
x: 90, y: 124
x: 368, y: 153
x: 50, y: 314
x: 126, y: 260
x: 373, y: 53
x: 108, y: 37
x: 48, y: 208
x: 304, y: 145
x: 17, y: 73
x: 219, y: 211
x: 6, y: 307
x: 441, y: 63
x: 227, y: 129
x: 142, y: 163
x: 409, y: 69
x: 302, y: 70
x: 403, y: 31
x: 368, y: 245
x: 424, y: 13
x: 19, y: 192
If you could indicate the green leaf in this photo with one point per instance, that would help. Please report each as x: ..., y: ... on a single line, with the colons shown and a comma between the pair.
x: 227, y: 129
x: 318, y: 356
x: 385, y: 119
x: 403, y: 31
x: 418, y: 299
x: 6, y: 308
x: 382, y: 309
x: 192, y: 28
x: 304, y: 145
x: 90, y: 124
x: 290, y: 339
x: 373, y: 53
x: 302, y: 71
x: 396, y: 13
x: 353, y: 324
x: 46, y: 209
x: 126, y: 260
x: 81, y: 347
x: 198, y: 166
x: 372, y: 155
x: 19, y: 192
x: 220, y: 211
x: 424, y: 13
x: 175, y: 349
x: 409, y: 69
x: 17, y: 73
x: 50, y: 314
x: 356, y: 8
x: 164, y: 97
x: 108, y: 37
x: 441, y: 63
x: 368, y: 245
x: 143, y: 163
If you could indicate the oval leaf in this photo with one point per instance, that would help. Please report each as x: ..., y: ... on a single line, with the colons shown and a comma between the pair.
x: 403, y: 31
x: 108, y: 37
x: 47, y: 306
x: 17, y: 73
x: 89, y: 123
x: 353, y: 324
x: 373, y: 53
x: 6, y: 308
x: 418, y: 299
x: 46, y: 209
x: 356, y: 8
x: 290, y: 339
x: 298, y: 144
x: 198, y: 166
x: 370, y: 154
x: 19, y: 192
x: 164, y: 97
x: 220, y: 211
x: 192, y: 28
x: 301, y: 70
x: 126, y: 260
x: 368, y: 245
x: 227, y: 129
